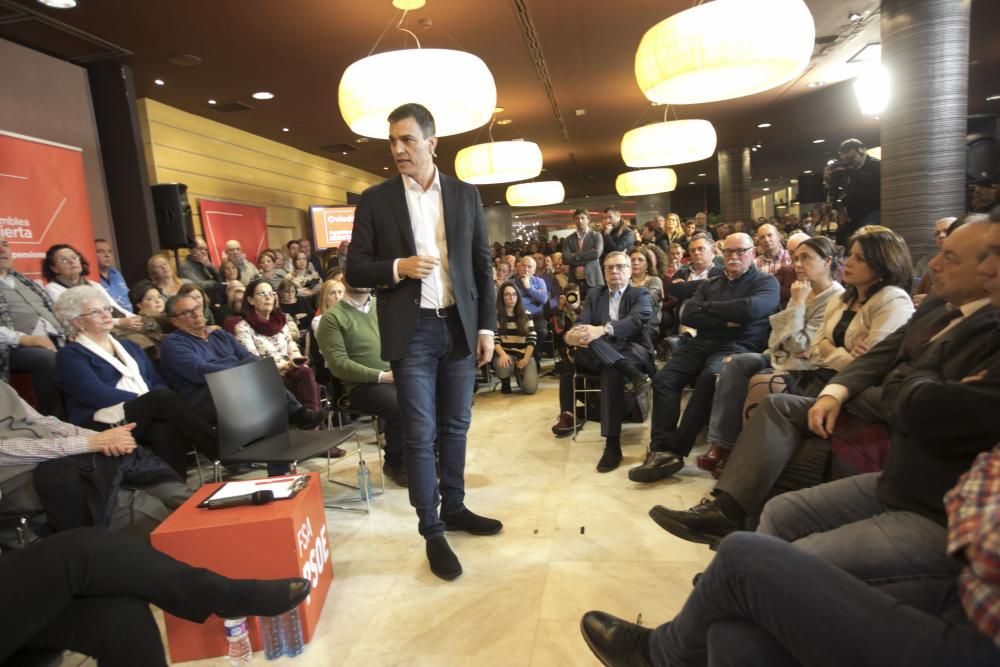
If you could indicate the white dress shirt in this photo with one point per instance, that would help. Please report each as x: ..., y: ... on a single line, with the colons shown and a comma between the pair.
x: 426, y: 209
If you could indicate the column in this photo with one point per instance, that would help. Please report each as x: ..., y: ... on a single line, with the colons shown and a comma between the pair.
x: 734, y: 184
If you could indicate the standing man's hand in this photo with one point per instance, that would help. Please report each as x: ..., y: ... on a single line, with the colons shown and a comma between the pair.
x: 417, y: 267
x: 484, y: 349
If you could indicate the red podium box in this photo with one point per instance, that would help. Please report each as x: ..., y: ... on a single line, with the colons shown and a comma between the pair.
x: 285, y: 538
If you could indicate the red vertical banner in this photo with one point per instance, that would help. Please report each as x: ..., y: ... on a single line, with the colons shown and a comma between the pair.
x: 227, y: 221
x: 43, y: 200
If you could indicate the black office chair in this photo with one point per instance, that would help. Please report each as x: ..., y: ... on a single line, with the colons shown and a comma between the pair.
x: 253, y: 423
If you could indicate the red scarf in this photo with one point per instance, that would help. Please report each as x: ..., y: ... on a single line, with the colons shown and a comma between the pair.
x: 269, y: 327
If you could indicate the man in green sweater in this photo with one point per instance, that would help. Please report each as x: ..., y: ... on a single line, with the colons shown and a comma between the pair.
x: 349, y: 340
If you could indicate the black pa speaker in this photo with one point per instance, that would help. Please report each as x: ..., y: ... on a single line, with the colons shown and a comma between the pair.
x: 811, y: 189
x: 173, y: 216
x: 982, y: 158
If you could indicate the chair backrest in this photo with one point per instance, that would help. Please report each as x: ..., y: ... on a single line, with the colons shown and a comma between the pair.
x: 250, y: 403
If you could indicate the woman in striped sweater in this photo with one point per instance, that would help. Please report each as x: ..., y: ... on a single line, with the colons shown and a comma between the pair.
x: 515, y: 343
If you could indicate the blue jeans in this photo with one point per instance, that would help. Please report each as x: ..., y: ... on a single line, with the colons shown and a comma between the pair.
x: 726, y: 421
x: 434, y: 383
x: 763, y: 601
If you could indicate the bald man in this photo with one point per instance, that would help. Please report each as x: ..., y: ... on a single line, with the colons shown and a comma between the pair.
x: 921, y: 272
x: 235, y: 254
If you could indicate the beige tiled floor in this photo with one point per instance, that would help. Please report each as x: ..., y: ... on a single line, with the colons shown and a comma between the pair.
x: 573, y: 540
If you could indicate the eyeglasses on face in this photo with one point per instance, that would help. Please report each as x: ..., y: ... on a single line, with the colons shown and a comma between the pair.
x: 96, y: 312
x: 616, y: 267
x: 736, y: 251
x: 191, y: 312
x: 68, y: 259
x: 266, y: 294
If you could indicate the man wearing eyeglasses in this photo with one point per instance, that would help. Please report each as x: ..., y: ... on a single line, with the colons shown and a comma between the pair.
x: 730, y: 313
x: 610, y: 339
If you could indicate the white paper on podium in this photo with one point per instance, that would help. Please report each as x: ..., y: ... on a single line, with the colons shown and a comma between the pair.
x: 282, y: 487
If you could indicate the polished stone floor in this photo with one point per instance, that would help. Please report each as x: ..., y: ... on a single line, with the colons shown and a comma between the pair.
x: 573, y: 540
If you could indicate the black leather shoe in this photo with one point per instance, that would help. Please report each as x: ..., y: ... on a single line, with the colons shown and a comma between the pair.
x: 471, y: 523
x: 638, y: 386
x: 703, y: 524
x: 258, y: 597
x: 656, y: 466
x: 305, y: 419
x: 444, y: 562
x: 610, y: 460
x: 396, y: 473
x: 615, y: 642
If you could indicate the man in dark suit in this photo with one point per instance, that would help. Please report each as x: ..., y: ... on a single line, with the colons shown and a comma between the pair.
x: 610, y: 338
x: 582, y: 253
x: 936, y: 384
x: 420, y: 238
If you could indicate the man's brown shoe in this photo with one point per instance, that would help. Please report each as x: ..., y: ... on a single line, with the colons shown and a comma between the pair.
x: 564, y: 425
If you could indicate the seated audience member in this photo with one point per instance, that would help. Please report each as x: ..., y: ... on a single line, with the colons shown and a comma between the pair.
x: 617, y: 234
x: 197, y: 267
x: 744, y: 379
x: 229, y: 314
x: 763, y: 601
x: 611, y: 340
x: 192, y: 350
x: 264, y: 332
x: 89, y: 590
x: 109, y: 277
x: 267, y: 262
x: 547, y: 273
x: 29, y: 333
x: 330, y: 295
x: 198, y: 294
x: 639, y: 260
x: 933, y: 383
x: 280, y: 259
x: 30, y: 445
x: 921, y: 275
x: 291, y: 250
x: 559, y: 270
x: 298, y: 308
x: 350, y: 343
x: 108, y: 382
x: 305, y: 248
x: 786, y: 274
x: 304, y: 276
x: 773, y: 255
x: 675, y: 256
x: 689, y: 276
x: 246, y: 270
x: 64, y: 267
x: 515, y: 343
x: 148, y: 303
x: 161, y: 272
x: 533, y: 295
x: 230, y: 274
x: 502, y: 273
x: 730, y: 313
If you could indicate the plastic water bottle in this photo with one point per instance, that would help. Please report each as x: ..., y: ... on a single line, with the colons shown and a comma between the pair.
x: 240, y: 651
x: 364, y: 481
x: 291, y: 632
x: 270, y: 633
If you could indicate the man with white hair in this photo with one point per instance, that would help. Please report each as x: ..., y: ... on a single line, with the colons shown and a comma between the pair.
x: 235, y: 254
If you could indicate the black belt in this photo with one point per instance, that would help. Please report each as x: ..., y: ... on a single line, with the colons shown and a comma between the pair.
x: 439, y: 313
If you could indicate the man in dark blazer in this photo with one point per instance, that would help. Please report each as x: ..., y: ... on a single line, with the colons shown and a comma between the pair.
x: 610, y: 338
x: 582, y: 253
x: 420, y: 239
x: 935, y: 382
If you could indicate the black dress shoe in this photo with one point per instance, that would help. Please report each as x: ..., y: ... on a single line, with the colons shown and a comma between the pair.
x: 444, y: 562
x: 397, y: 473
x: 639, y: 385
x: 703, y: 524
x: 610, y: 460
x: 471, y: 523
x: 259, y: 597
x: 656, y: 466
x: 615, y: 642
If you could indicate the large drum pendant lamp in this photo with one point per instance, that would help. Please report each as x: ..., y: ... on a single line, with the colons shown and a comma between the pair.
x: 724, y: 49
x: 645, y: 182
x: 499, y: 162
x: 455, y: 86
x: 536, y: 193
x: 669, y: 142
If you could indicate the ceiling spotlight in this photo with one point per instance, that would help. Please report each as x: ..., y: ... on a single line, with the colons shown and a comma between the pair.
x: 691, y: 182
x: 211, y: 101
x: 818, y: 141
x: 505, y: 121
x: 263, y: 95
x: 808, y: 171
x: 498, y: 109
x: 816, y: 84
x: 58, y: 4
x: 385, y: 168
x: 766, y: 180
x: 580, y: 112
x: 344, y: 153
x: 754, y: 149
x: 703, y: 175
x: 284, y: 129
x: 767, y: 189
x: 853, y: 16
x: 159, y: 82
x: 763, y: 125
x: 993, y: 98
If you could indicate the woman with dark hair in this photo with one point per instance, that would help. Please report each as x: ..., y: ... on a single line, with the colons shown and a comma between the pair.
x: 642, y: 277
x: 515, y: 343
x: 267, y: 262
x: 107, y: 382
x: 264, y: 331
x: 304, y: 275
x: 65, y: 267
x: 161, y: 272
x: 198, y: 294
x: 148, y: 302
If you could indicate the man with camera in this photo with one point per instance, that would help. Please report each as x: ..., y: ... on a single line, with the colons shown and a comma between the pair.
x: 852, y: 184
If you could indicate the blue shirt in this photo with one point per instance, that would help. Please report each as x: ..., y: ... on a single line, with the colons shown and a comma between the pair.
x: 116, y: 287
x: 184, y: 359
x: 534, y: 297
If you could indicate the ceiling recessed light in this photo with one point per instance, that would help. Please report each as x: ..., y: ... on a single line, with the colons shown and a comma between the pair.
x: 993, y: 98
x: 767, y: 189
x: 385, y: 168
x: 580, y: 112
x: 505, y: 121
x: 58, y: 4
x: 816, y: 84
x: 754, y: 149
x: 498, y: 109
x: 808, y: 171
x: 497, y: 201
x: 691, y: 183
x: 766, y: 180
x: 763, y: 125
x: 159, y: 82
x: 853, y: 16
x: 361, y: 140
x: 284, y: 129
x: 703, y: 175
x: 818, y: 141
x: 344, y: 153
x: 211, y: 101
x: 263, y: 95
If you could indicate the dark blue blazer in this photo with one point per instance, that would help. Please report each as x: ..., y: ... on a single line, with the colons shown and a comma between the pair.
x: 88, y: 382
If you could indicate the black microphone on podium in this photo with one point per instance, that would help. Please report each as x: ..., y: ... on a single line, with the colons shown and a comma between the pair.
x: 255, y: 498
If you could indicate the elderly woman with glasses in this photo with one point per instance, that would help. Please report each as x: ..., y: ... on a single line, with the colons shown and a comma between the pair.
x: 64, y: 267
x: 264, y: 331
x: 107, y: 382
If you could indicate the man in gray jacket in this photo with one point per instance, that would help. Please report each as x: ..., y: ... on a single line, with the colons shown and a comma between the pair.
x: 582, y: 253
